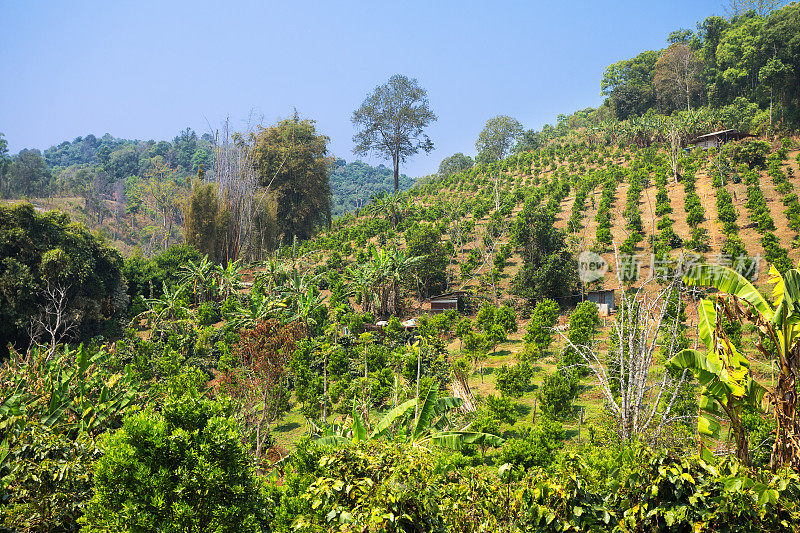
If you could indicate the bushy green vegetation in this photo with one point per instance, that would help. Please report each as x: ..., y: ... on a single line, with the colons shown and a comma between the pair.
x: 182, y: 468
x: 57, y: 281
x: 265, y: 374
x: 397, y: 488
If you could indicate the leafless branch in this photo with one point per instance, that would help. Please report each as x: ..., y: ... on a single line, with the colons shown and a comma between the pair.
x: 56, y: 319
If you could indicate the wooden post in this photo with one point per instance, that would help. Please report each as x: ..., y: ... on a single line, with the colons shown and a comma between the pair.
x: 580, y: 424
x: 325, y: 390
x: 419, y: 359
x: 533, y: 418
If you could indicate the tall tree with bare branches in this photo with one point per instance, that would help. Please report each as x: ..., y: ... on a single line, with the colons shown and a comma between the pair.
x: 56, y: 319
x: 640, y: 400
x: 678, y: 75
x: 163, y: 193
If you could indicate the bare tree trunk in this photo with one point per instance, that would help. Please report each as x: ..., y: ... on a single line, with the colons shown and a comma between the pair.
x: 460, y: 387
x: 396, y: 161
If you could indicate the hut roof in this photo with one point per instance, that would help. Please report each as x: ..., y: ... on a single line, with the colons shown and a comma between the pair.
x: 720, y: 133
x: 448, y: 295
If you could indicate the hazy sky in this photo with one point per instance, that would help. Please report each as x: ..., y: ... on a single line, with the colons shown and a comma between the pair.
x: 145, y: 70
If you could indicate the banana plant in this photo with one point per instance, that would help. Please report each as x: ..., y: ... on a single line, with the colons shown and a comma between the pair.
x: 166, y: 310
x: 198, y: 277
x: 228, y: 279
x: 72, y: 388
x: 72, y: 392
x: 259, y: 306
x: 778, y: 326
x: 724, y: 373
x: 429, y: 427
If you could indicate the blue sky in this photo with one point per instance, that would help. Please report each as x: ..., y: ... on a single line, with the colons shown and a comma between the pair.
x: 145, y: 70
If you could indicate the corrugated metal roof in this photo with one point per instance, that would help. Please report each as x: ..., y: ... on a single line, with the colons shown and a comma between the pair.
x: 720, y: 132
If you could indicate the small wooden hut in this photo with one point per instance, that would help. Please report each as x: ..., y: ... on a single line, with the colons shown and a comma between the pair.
x: 718, y: 138
x: 450, y: 301
x: 602, y: 297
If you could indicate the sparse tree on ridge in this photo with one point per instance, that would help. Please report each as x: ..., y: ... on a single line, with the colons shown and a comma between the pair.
x: 454, y: 164
x: 498, y: 137
x: 735, y: 8
x: 391, y: 122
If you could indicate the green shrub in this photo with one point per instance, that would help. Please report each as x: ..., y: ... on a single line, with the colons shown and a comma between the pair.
x: 556, y: 395
x: 750, y: 153
x: 539, y: 330
x: 536, y: 446
x: 50, y: 482
x: 183, y: 469
x: 501, y: 409
x: 514, y: 381
x: 207, y: 314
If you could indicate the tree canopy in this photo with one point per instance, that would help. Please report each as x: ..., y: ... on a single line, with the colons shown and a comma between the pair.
x: 454, y: 164
x: 40, y: 253
x: 548, y: 270
x: 293, y: 164
x: 391, y: 122
x: 498, y: 137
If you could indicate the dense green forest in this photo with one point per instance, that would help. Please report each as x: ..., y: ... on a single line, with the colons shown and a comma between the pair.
x: 354, y: 184
x: 267, y: 356
x: 739, y: 71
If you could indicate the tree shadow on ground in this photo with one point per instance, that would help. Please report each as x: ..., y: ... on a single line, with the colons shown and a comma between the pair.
x: 288, y: 426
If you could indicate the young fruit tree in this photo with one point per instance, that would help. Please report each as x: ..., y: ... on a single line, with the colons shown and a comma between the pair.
x: 259, y: 384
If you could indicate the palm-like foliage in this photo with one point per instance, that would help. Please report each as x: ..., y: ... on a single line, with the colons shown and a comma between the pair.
x: 778, y: 325
x: 377, y: 281
x: 302, y: 298
x: 198, y: 277
x: 228, y: 279
x: 395, y: 206
x: 431, y: 426
x: 73, y: 391
x: 287, y: 296
x: 169, y: 309
x: 207, y: 280
x: 724, y: 374
x: 648, y: 129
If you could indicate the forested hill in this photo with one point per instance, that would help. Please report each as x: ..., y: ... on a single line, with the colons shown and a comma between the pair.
x: 743, y: 68
x: 353, y: 184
